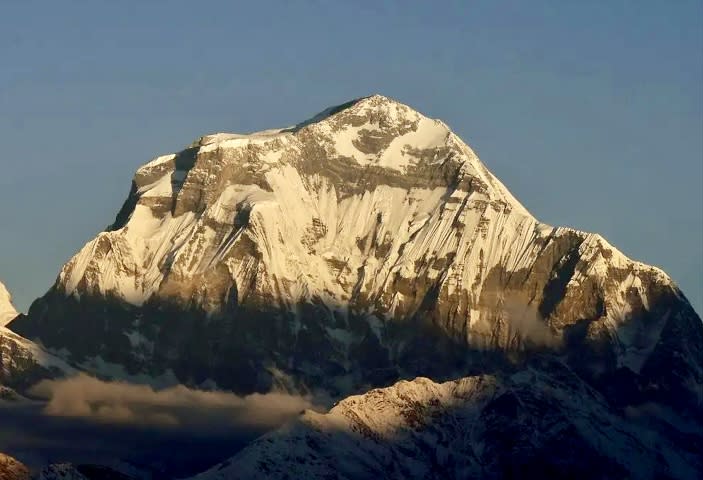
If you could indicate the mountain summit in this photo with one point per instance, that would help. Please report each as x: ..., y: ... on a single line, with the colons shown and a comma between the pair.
x: 363, y: 246
x: 7, y: 310
x: 370, y: 247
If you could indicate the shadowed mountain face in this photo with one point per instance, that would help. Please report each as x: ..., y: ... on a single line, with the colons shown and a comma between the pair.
x: 12, y: 469
x: 364, y: 246
x: 543, y: 422
x: 23, y: 363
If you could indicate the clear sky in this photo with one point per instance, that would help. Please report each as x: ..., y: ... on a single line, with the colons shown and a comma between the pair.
x: 591, y: 112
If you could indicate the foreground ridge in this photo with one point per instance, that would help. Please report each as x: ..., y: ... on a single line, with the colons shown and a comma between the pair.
x: 543, y: 422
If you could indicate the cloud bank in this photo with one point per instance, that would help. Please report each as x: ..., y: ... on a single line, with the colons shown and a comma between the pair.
x: 83, y: 396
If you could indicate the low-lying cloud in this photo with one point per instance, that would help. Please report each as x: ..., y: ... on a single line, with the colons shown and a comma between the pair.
x: 524, y: 318
x: 83, y: 396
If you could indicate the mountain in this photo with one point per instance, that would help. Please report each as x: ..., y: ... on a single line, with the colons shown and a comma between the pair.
x: 11, y: 469
x: 7, y: 310
x: 61, y: 471
x: 366, y: 245
x: 543, y: 422
x: 22, y: 362
x: 370, y: 247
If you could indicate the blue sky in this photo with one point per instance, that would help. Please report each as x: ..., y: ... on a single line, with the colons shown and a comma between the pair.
x: 590, y: 112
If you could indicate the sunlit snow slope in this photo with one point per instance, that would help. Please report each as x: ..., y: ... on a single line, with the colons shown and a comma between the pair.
x: 7, y: 310
x: 365, y: 245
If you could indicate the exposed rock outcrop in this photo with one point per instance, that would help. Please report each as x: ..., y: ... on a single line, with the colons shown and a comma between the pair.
x: 23, y: 363
x: 363, y: 246
x: 12, y: 469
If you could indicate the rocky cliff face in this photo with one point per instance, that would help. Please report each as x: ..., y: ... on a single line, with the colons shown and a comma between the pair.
x: 365, y: 245
x: 543, y: 422
x: 22, y: 362
x: 12, y: 469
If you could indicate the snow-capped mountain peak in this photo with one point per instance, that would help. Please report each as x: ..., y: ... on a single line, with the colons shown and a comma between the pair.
x: 7, y: 310
x: 369, y: 247
x: 366, y: 244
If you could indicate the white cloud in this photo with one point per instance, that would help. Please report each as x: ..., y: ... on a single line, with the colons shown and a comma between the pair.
x: 120, y: 402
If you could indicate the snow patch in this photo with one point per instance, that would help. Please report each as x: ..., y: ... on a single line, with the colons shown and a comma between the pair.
x: 7, y: 310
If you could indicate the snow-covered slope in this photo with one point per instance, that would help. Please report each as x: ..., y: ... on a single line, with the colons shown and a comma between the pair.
x: 60, y: 471
x: 365, y: 245
x: 543, y: 422
x: 23, y: 363
x: 7, y: 310
x: 66, y: 471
